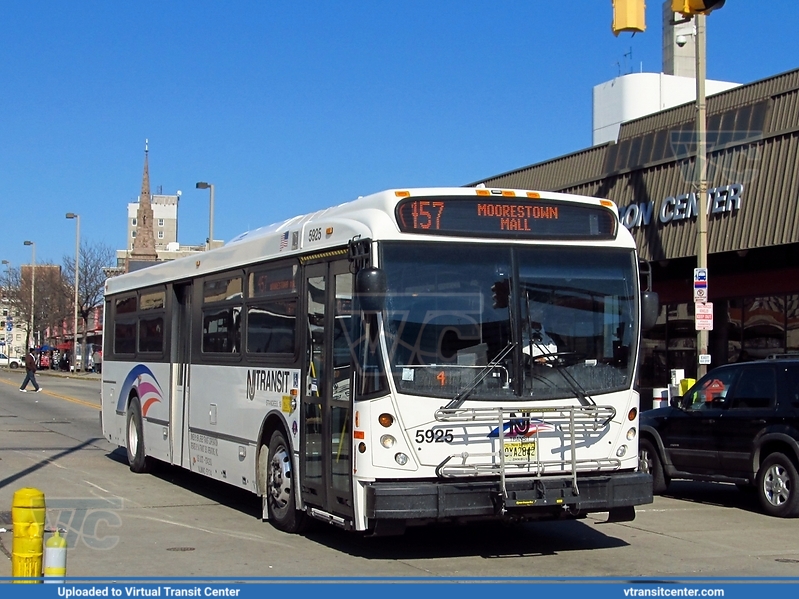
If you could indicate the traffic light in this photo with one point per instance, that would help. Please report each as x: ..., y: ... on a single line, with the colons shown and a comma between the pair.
x: 690, y: 8
x: 500, y: 292
x: 628, y: 15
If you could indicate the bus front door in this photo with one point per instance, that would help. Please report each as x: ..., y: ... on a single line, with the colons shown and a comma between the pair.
x: 326, y: 442
x: 180, y: 359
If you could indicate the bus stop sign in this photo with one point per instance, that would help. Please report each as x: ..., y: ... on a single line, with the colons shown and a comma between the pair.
x: 700, y: 284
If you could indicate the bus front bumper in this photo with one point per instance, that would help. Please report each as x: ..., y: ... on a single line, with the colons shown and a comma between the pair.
x: 452, y: 499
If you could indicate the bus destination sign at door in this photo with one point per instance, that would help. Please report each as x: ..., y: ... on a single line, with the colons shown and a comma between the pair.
x: 517, y: 217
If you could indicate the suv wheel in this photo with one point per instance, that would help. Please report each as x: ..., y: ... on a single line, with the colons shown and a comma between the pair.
x: 776, y: 486
x: 650, y: 463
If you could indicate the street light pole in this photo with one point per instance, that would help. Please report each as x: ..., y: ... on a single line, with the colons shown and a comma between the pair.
x: 204, y: 185
x: 77, y: 270
x: 33, y: 287
x: 701, y: 172
x: 4, y: 322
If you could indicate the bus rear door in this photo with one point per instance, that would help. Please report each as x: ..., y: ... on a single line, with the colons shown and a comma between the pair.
x: 180, y: 358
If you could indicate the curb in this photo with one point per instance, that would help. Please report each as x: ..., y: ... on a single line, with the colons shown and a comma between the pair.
x: 90, y: 376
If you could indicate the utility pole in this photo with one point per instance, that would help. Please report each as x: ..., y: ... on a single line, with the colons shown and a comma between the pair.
x: 701, y: 175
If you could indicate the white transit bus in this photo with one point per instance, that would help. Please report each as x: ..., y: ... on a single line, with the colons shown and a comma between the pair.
x: 414, y: 356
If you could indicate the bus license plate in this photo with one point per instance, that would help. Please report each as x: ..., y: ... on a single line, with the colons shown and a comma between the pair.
x: 522, y: 450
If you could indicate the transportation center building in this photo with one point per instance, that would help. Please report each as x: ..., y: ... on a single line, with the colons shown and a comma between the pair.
x: 753, y: 219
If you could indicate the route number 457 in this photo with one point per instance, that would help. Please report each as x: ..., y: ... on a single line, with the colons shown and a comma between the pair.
x: 437, y: 435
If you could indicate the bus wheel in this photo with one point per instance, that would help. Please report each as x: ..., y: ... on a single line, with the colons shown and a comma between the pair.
x: 280, y: 488
x: 135, y: 440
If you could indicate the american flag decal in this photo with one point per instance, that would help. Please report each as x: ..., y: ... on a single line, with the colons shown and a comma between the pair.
x: 284, y: 241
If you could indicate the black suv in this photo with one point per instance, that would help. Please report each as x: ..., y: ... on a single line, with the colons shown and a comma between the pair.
x: 739, y: 423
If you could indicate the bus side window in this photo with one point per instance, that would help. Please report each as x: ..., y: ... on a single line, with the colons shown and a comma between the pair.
x: 221, y: 330
x: 372, y: 380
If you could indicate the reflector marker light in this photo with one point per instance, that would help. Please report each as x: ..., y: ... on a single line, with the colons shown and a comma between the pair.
x: 402, y: 194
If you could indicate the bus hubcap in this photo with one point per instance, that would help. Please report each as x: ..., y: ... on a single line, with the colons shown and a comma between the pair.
x: 280, y: 477
x: 133, y: 437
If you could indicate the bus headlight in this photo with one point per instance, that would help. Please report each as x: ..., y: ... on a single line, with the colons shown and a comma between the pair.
x: 387, y: 441
x: 631, y: 434
x: 401, y: 459
x: 621, y: 451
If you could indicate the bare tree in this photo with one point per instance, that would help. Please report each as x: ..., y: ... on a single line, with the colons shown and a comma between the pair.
x: 48, y: 296
x: 13, y: 293
x: 91, y: 281
x: 51, y: 298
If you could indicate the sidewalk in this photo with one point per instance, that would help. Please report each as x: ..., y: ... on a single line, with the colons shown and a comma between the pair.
x: 87, y: 376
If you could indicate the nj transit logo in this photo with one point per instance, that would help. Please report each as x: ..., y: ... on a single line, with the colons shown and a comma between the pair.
x: 522, y: 427
x: 147, y: 386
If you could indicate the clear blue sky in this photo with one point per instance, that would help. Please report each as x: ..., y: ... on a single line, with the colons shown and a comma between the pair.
x: 290, y: 106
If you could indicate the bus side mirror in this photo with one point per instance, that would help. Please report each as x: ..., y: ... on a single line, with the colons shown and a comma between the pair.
x: 370, y: 287
x: 650, y: 309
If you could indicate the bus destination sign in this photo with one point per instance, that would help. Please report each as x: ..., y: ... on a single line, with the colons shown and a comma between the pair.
x: 516, y: 217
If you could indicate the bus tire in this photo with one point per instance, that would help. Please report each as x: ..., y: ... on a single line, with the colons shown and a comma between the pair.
x: 280, y: 487
x: 137, y: 458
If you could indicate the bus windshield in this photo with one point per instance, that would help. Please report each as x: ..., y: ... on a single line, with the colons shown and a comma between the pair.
x: 499, y: 322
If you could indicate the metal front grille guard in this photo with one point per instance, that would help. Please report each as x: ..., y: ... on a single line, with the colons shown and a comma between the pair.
x: 571, y: 421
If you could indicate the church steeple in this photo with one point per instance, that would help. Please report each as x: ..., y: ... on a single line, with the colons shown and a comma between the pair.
x: 144, y: 243
x: 145, y: 178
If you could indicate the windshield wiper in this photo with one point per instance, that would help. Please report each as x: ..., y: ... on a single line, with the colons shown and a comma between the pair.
x: 458, y: 400
x: 575, y: 387
x: 551, y: 357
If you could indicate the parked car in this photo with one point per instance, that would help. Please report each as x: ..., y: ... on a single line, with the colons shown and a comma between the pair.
x: 10, y: 362
x: 740, y: 424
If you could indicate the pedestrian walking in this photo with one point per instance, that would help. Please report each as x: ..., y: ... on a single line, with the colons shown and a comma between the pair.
x: 30, y: 373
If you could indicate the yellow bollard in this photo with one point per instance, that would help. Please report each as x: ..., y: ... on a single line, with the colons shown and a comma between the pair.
x: 27, y: 517
x: 55, y: 558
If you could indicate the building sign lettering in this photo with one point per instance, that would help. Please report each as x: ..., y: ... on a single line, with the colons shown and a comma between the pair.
x: 677, y: 208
